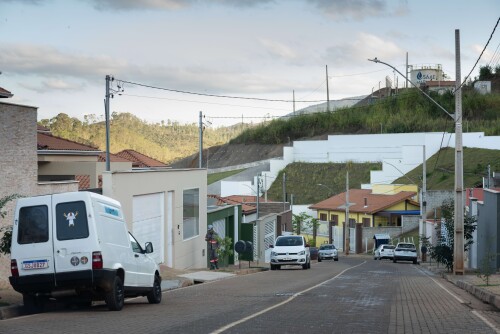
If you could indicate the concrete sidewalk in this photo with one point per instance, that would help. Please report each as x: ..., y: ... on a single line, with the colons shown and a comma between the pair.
x: 471, y: 283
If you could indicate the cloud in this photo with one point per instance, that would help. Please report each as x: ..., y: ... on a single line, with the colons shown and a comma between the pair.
x: 29, y: 2
x: 363, y: 47
x: 167, y: 4
x: 278, y: 49
x: 357, y: 9
x: 59, y: 70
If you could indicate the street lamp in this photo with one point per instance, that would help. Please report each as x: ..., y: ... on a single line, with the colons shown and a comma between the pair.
x: 458, y: 251
x: 331, y: 192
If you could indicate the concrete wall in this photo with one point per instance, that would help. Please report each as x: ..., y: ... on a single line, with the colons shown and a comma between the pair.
x: 123, y: 185
x: 399, y: 153
x: 488, y: 225
x: 18, y: 165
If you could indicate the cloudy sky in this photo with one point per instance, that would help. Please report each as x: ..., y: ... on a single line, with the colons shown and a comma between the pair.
x: 55, y: 54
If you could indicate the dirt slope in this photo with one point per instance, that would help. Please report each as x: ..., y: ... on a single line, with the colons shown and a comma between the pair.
x: 231, y: 154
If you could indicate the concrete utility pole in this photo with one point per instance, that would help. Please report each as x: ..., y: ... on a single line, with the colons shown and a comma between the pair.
x: 200, y: 158
x: 106, y: 116
x: 293, y: 102
x: 406, y: 70
x: 347, y: 225
x: 458, y: 251
x: 284, y: 192
x: 258, y: 195
x: 327, y: 91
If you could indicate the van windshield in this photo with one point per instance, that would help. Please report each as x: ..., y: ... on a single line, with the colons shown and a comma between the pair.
x: 33, y: 225
x: 71, y: 221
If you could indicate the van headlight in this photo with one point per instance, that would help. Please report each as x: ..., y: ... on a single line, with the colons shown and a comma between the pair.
x: 302, y: 252
x: 273, y: 253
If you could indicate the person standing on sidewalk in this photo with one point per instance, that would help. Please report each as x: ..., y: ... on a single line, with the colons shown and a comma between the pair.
x: 212, y: 246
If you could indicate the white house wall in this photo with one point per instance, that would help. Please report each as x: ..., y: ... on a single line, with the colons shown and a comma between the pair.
x: 124, y: 185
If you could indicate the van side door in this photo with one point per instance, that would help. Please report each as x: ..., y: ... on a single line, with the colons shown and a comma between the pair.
x: 31, y: 236
x: 73, y: 244
x: 144, y: 263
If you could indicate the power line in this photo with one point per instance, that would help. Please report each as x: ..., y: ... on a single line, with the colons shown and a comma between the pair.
x: 479, y: 58
x: 215, y: 95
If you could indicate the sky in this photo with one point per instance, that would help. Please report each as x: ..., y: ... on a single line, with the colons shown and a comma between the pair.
x: 233, y: 60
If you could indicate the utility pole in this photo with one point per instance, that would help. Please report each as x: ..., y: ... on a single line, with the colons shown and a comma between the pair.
x: 347, y: 225
x: 284, y: 192
x: 293, y: 102
x: 106, y: 116
x: 423, y: 209
x: 327, y: 91
x: 200, y: 140
x: 406, y: 70
x: 458, y: 251
x: 258, y: 195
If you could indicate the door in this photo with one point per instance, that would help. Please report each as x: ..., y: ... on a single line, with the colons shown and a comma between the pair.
x: 32, y: 236
x: 73, y: 245
x: 148, y: 222
x: 144, y: 266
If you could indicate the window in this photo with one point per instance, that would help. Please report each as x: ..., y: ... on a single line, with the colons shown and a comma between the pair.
x: 71, y: 221
x: 191, y: 213
x: 135, y: 245
x: 33, y: 225
x: 323, y: 216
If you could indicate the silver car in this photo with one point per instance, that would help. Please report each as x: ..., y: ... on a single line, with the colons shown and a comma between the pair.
x: 328, y: 251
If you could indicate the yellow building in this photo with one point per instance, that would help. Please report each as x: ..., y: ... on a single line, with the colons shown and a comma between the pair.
x: 384, y: 205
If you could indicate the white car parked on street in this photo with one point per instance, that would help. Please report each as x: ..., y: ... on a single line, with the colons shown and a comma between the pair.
x: 384, y: 251
x: 290, y: 250
x: 405, y: 251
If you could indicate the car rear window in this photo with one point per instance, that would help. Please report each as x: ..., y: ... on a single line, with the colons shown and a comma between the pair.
x: 326, y: 247
x: 389, y: 247
x: 410, y: 246
x: 71, y: 221
x: 33, y: 225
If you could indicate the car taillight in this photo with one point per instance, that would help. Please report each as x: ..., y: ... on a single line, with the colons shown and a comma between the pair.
x: 13, y: 268
x: 96, y: 260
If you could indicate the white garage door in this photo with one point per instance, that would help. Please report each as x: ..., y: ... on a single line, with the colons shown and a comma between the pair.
x: 147, y: 222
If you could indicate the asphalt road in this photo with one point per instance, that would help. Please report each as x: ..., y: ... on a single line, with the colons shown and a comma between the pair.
x: 353, y: 295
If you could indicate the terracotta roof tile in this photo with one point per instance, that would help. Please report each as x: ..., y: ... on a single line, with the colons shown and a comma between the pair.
x: 4, y: 93
x: 374, y: 202
x: 112, y: 157
x: 83, y: 181
x: 140, y: 160
x: 49, y: 142
x: 245, y: 208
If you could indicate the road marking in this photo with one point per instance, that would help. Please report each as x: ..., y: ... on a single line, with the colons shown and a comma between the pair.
x: 228, y: 326
x: 477, y: 314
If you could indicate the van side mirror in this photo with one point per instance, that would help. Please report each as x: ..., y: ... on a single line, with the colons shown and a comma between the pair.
x: 149, y: 247
x: 307, y: 245
x: 271, y: 246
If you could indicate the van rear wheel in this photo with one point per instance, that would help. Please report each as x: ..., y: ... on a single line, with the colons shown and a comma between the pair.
x: 154, y: 296
x: 115, y: 298
x: 33, y: 304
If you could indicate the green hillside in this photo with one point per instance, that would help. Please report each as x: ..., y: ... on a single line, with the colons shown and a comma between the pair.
x: 165, y: 141
x: 409, y: 111
x: 302, y: 179
x: 441, y: 168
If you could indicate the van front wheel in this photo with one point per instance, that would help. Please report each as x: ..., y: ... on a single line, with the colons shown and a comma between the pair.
x: 116, y: 296
x: 154, y: 296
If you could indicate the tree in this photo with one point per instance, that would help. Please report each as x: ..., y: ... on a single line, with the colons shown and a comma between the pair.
x: 308, y: 222
x: 225, y: 249
x: 443, y: 251
x: 6, y: 239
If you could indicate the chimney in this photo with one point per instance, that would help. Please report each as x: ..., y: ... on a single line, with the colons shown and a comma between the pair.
x: 366, y: 201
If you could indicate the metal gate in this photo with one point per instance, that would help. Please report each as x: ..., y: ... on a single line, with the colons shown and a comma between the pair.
x: 352, y: 240
x: 269, y: 237
x: 338, y: 237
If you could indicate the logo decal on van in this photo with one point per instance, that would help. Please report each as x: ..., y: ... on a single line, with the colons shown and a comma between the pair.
x: 75, y: 261
x: 71, y: 217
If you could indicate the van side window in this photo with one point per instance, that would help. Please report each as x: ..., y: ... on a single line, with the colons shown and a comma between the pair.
x: 135, y: 245
x: 33, y: 225
x: 71, y: 221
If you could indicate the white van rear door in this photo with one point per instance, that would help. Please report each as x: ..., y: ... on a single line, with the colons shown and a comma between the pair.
x: 31, y: 237
x: 74, y: 235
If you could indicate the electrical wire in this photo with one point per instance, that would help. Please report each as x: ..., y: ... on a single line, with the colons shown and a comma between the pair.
x: 479, y: 58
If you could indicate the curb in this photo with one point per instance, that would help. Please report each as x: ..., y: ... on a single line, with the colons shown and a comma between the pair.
x: 480, y: 293
x: 12, y: 311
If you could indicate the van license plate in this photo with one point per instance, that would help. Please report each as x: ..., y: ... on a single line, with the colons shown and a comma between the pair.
x: 35, y: 264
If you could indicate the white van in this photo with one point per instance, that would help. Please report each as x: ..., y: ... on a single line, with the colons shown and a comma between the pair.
x: 76, y: 245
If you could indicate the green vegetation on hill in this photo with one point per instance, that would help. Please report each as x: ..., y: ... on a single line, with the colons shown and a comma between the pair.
x: 409, y: 111
x: 440, y: 168
x: 165, y: 141
x: 302, y: 180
